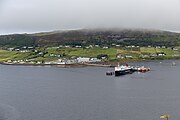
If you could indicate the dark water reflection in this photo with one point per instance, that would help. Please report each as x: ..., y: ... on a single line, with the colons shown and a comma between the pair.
x: 48, y: 93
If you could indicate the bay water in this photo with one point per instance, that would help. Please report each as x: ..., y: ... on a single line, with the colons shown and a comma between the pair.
x: 51, y: 93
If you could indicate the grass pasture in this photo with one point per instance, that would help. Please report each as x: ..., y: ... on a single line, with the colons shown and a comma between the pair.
x: 67, y: 53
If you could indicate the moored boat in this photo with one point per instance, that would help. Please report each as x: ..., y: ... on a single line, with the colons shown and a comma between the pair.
x: 123, y: 70
x: 109, y: 73
x: 143, y: 69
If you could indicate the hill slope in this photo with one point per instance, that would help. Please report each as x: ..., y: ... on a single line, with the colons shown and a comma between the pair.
x: 93, y: 36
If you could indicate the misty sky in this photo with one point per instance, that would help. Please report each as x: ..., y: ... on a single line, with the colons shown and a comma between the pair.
x: 46, y: 15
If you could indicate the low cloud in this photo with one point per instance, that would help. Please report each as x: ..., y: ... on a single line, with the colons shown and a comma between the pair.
x: 45, y: 15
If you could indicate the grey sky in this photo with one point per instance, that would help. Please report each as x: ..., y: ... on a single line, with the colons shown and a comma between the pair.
x: 46, y: 15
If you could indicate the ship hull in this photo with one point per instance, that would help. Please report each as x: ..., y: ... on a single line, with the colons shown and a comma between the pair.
x: 123, y: 72
x: 119, y: 73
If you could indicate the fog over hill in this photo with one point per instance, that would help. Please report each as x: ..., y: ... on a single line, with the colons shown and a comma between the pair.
x: 19, y: 16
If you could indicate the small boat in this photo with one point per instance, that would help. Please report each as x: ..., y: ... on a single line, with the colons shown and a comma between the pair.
x: 143, y: 69
x: 173, y: 63
x: 109, y: 73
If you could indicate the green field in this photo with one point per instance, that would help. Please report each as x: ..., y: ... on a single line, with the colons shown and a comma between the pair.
x: 147, y: 50
x: 12, y: 55
x: 69, y: 53
x: 168, y: 51
x: 82, y: 52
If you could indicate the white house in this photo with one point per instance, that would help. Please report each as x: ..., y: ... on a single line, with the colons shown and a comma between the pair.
x: 83, y: 59
x: 96, y: 45
x: 30, y: 47
x: 95, y: 60
x: 175, y: 49
x: 24, y: 51
x: 105, y: 47
x: 10, y: 49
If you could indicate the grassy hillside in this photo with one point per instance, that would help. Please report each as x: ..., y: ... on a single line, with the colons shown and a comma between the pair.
x: 12, y: 55
x: 101, y: 37
x: 114, y: 53
x: 111, y: 52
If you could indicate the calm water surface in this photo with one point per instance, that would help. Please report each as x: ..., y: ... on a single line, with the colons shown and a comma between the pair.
x: 49, y: 93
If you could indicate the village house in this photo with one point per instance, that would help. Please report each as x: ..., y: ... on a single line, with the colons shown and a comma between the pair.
x: 145, y: 56
x: 90, y: 46
x: 153, y: 55
x: 67, y: 46
x: 175, y: 49
x: 128, y: 56
x: 10, y: 49
x: 96, y: 45
x: 55, y: 55
x: 24, y: 51
x: 83, y: 59
x: 24, y: 47
x: 78, y: 46
x: 95, y: 60
x: 105, y: 47
x: 161, y: 54
x: 30, y: 47
x: 119, y: 56
x: 40, y: 53
x: 158, y: 47
x: 17, y: 49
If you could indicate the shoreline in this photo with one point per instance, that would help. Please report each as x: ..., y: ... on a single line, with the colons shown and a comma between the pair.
x: 80, y: 65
